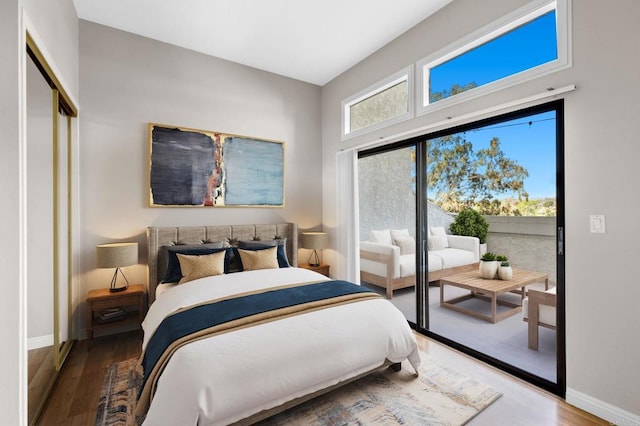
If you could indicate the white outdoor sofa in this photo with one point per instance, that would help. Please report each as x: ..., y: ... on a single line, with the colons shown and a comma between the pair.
x: 384, y: 264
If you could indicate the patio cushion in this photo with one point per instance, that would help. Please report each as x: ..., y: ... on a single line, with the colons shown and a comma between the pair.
x: 399, y: 233
x: 452, y: 257
x: 547, y: 313
x: 438, y: 231
x: 436, y: 243
x: 407, y: 265
x: 382, y: 237
x: 435, y: 262
x: 407, y: 245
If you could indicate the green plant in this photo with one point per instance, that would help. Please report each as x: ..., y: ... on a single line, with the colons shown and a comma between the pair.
x: 470, y: 223
x: 488, y: 257
x: 502, y: 258
x: 504, y: 263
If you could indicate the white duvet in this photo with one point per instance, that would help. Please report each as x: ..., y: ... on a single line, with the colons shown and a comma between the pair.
x: 225, y: 378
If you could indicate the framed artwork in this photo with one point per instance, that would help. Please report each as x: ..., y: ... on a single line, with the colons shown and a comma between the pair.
x: 199, y: 168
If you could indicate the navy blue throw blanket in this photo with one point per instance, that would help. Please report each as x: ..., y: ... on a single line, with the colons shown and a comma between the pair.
x: 208, y: 315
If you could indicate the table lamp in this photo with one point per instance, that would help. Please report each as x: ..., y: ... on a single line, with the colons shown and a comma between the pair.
x: 314, y: 241
x: 117, y: 255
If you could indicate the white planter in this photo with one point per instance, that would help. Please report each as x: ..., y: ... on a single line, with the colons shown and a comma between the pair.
x: 488, y: 269
x: 505, y: 273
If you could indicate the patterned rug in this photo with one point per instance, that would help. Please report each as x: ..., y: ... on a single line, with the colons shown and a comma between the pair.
x: 439, y: 396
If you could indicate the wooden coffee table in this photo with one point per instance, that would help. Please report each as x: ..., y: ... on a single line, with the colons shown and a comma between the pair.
x: 490, y: 290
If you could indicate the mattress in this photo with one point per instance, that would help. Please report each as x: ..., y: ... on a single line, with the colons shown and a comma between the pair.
x: 232, y: 376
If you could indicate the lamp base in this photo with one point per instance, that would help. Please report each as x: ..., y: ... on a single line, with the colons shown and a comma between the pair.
x: 113, y: 288
x: 314, y: 259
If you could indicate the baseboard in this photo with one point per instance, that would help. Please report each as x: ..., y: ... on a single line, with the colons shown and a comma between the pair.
x: 601, y: 409
x: 39, y: 342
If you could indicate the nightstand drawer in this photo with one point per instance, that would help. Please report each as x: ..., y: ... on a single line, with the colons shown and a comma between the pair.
x: 321, y: 269
x: 116, y: 301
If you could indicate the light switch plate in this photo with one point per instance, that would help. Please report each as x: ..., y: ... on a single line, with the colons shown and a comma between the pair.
x: 596, y: 222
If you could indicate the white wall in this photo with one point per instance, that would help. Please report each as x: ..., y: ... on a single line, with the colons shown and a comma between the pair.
x: 601, y: 156
x: 128, y: 81
x: 12, y: 356
x: 56, y: 25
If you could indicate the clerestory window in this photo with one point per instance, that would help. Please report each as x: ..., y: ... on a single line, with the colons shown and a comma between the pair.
x: 384, y: 103
x: 528, y: 43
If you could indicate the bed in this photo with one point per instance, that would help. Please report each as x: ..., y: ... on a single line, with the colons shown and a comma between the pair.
x: 248, y: 372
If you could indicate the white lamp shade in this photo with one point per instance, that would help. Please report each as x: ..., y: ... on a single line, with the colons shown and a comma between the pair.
x: 314, y: 240
x: 116, y: 255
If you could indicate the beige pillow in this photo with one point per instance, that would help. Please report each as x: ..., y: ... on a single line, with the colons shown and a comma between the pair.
x: 407, y: 244
x: 259, y: 259
x: 194, y: 267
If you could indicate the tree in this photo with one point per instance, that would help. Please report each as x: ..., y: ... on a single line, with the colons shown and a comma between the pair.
x: 455, y: 89
x: 459, y: 177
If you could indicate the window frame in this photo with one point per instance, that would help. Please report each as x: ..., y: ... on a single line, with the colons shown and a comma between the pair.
x: 489, y: 32
x: 405, y: 74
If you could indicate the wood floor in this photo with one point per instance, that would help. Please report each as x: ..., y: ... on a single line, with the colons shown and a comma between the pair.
x: 75, y: 398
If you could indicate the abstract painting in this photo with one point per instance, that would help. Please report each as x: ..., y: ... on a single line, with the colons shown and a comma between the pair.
x: 190, y: 167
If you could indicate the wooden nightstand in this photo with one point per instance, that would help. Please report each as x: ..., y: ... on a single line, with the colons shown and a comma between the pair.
x: 321, y: 269
x: 101, y: 300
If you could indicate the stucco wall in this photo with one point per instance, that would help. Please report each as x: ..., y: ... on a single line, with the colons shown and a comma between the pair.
x: 386, y: 197
x: 528, y: 242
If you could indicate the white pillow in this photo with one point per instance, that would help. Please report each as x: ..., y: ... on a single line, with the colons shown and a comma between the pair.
x: 399, y: 233
x: 407, y: 244
x: 436, y: 243
x: 438, y: 231
x: 382, y: 237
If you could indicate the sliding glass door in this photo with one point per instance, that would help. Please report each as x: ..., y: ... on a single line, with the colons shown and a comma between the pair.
x: 508, y: 169
x: 493, y: 186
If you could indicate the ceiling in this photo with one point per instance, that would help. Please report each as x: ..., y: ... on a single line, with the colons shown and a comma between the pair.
x: 309, y: 40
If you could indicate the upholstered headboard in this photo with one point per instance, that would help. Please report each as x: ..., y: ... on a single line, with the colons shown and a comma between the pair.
x: 159, y: 238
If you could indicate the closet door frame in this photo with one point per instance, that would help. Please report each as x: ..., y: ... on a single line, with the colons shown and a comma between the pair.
x: 63, y: 111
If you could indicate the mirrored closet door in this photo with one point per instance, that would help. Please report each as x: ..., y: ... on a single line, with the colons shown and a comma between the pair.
x: 49, y: 223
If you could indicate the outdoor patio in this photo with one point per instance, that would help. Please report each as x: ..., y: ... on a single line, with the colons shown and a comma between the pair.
x: 505, y: 340
x: 529, y: 242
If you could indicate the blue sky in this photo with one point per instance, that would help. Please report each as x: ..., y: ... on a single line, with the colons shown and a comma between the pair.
x: 532, y: 146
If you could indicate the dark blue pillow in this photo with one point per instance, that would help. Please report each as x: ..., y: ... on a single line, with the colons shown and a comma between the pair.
x: 174, y: 273
x: 283, y: 261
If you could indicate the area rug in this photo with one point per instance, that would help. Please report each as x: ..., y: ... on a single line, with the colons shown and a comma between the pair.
x: 440, y: 395
x: 119, y: 393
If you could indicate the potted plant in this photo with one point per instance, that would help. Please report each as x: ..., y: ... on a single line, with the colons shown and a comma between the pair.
x: 471, y: 223
x: 505, y: 272
x: 488, y: 266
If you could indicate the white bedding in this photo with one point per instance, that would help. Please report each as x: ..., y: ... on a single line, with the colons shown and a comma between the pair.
x: 231, y: 376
